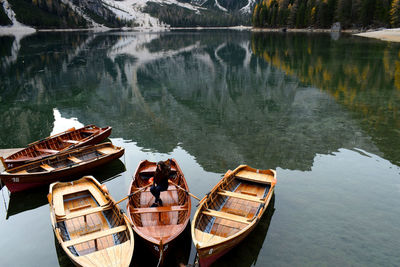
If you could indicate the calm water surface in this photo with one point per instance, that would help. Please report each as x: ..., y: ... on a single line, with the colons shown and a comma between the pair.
x: 321, y: 110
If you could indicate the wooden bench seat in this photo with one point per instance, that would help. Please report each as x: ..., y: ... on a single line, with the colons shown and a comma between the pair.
x: 152, y: 169
x: 227, y: 216
x: 240, y: 196
x: 106, y: 150
x: 79, y: 207
x: 207, y: 238
x: 93, y: 236
x: 255, y: 177
x: 74, y: 159
x: 90, y: 131
x: 44, y: 150
x: 59, y: 193
x: 70, y: 141
x: 47, y: 167
x: 86, y: 229
x: 84, y: 212
x: 157, y: 232
x: 159, y: 209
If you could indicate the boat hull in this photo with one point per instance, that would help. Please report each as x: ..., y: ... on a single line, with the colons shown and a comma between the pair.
x: 20, y: 182
x: 156, y: 248
x: 210, y: 254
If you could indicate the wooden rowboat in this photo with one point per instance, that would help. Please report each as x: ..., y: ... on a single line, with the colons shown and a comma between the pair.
x: 231, y: 211
x: 158, y: 226
x: 70, y: 163
x: 88, y: 224
x: 72, y: 138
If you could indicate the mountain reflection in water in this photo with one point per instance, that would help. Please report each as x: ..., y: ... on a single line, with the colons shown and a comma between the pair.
x: 211, y: 95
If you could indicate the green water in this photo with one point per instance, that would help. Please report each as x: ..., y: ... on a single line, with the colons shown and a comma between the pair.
x: 322, y: 110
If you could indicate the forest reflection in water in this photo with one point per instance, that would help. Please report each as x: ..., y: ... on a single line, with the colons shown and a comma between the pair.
x: 322, y: 111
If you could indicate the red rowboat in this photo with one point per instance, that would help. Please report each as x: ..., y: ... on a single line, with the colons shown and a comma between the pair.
x: 72, y: 138
x: 65, y: 164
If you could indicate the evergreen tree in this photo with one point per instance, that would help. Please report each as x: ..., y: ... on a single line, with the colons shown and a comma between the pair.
x: 395, y: 13
x: 293, y: 13
x: 323, y: 13
x: 256, y: 13
x: 343, y: 12
x: 300, y: 18
x: 308, y: 14
x: 382, y: 11
x: 367, y: 12
x: 283, y: 12
x: 355, y: 12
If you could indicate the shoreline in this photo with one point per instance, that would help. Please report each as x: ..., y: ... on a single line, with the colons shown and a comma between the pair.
x: 302, y: 30
x: 391, y: 35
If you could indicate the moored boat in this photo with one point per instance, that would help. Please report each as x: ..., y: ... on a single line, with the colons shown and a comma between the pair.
x: 88, y: 224
x: 231, y: 210
x: 158, y: 226
x: 70, y: 163
x: 72, y: 138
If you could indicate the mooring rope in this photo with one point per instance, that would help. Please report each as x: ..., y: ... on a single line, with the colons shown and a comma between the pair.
x: 2, y: 193
x: 161, y: 253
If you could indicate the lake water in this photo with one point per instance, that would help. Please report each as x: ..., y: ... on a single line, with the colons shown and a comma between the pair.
x: 322, y: 110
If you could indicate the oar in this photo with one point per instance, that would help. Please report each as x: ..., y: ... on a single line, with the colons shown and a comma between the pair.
x: 137, y: 191
x: 187, y: 192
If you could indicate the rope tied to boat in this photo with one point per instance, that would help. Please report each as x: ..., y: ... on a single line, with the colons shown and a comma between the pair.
x: 161, y: 253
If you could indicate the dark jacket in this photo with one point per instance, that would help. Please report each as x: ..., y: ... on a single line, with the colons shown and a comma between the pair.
x: 161, y: 175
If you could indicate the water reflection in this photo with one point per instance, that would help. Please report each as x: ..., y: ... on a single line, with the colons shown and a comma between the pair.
x: 177, y: 256
x: 362, y: 75
x: 224, y: 97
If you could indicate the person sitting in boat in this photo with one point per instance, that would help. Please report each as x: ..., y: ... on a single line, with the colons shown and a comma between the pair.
x: 160, y: 181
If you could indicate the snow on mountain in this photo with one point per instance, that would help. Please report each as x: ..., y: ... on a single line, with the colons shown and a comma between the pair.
x: 132, y: 10
x: 248, y: 8
x: 131, y: 13
x: 17, y: 28
x: 79, y: 11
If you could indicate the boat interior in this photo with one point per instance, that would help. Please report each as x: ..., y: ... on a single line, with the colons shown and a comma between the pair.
x: 158, y: 222
x: 87, y: 221
x: 231, y: 207
x: 67, y: 159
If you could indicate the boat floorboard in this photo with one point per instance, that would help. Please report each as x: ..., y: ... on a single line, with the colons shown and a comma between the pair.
x: 169, y: 198
x: 239, y: 207
x: 80, y: 226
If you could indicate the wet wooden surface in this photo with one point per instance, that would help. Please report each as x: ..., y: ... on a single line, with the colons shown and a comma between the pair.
x: 5, y: 153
